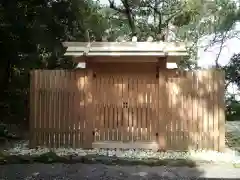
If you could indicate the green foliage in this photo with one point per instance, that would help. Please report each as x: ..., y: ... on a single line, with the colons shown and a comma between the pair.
x: 232, y: 109
x: 232, y: 76
x: 232, y: 70
x: 31, y: 34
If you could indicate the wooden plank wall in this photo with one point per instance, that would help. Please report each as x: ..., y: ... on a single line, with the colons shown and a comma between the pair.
x: 57, y: 111
x: 178, y: 110
x: 191, y: 110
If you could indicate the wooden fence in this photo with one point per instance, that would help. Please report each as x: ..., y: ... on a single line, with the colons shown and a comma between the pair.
x: 176, y: 110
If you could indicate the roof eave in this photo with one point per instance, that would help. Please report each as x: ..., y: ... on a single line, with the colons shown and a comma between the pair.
x: 155, y: 54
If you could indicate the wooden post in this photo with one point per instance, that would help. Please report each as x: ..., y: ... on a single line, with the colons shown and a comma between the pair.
x: 162, y: 63
x: 88, y: 130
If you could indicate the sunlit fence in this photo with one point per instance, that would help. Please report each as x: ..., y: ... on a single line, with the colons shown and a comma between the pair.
x: 175, y: 110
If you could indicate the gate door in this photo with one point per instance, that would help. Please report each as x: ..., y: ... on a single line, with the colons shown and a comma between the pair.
x: 125, y: 108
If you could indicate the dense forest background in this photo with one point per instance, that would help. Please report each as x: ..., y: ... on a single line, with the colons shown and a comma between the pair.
x: 31, y: 33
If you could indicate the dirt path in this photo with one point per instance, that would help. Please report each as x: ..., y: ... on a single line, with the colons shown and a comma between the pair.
x: 91, y: 172
x: 104, y: 172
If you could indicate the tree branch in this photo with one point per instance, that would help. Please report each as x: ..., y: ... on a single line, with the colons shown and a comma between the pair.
x: 114, y: 7
x: 129, y: 16
x: 220, y: 51
x: 126, y: 11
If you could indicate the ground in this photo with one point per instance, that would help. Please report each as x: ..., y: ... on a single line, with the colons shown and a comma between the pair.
x: 101, y: 171
x: 233, y: 135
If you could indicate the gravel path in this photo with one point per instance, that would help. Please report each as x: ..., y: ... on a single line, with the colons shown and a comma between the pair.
x: 99, y: 171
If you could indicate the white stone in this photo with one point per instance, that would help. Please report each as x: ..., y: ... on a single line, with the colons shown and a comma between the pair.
x: 134, y: 39
x: 150, y: 39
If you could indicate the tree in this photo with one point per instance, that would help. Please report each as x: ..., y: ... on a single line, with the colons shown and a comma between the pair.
x: 31, y: 36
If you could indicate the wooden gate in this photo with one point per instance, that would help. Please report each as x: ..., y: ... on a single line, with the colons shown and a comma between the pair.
x: 125, y: 109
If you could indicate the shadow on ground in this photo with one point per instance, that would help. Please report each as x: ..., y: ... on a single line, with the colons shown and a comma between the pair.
x: 98, y: 171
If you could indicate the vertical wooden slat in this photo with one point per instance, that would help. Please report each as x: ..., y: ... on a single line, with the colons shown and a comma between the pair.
x: 79, y: 108
x: 41, y: 115
x: 111, y: 108
x: 46, y: 108
x: 192, y: 80
x: 182, y: 115
x: 70, y: 111
x: 162, y: 101
x: 98, y: 106
x: 101, y: 107
x: 121, y: 111
x: 208, y: 111
x: 199, y: 109
x: 195, y: 111
x: 148, y: 117
x: 103, y: 82
x: 130, y: 109
x: 65, y: 107
x: 36, y: 99
x: 211, y: 110
x: 37, y: 103
x: 138, y: 109
x: 142, y: 101
x: 124, y: 111
x: 203, y: 120
x: 106, y: 128
x: 134, y: 107
x: 37, y: 114
x: 38, y: 108
x: 62, y: 112
x: 115, y: 105
x: 221, y: 102
x: 51, y: 116
x: 89, y: 111
x: 215, y: 102
x: 53, y: 109
x: 127, y: 84
x: 58, y: 101
x: 175, y: 113
x: 170, y: 114
x: 50, y: 121
x: 178, y: 120
x: 80, y: 138
x: 155, y: 133
x: 118, y: 109
x: 74, y: 109
x: 94, y: 91
x: 60, y: 109
x: 188, y: 108
x: 32, y: 107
